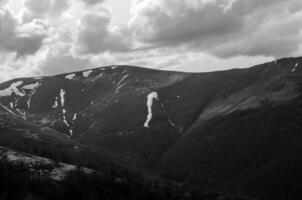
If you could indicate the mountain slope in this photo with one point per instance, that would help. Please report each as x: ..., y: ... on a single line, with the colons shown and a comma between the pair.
x: 229, y: 130
x: 248, y: 141
x: 93, y: 106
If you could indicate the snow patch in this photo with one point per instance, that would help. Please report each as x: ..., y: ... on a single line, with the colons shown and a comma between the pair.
x: 121, y: 81
x: 119, y: 87
x: 66, y: 122
x: 55, y: 105
x: 62, y: 97
x: 33, y: 86
x: 97, y: 77
x: 29, y: 99
x: 295, y: 67
x: 13, y: 88
x: 75, y: 116
x: 28, y: 103
x: 71, y: 132
x: 70, y: 76
x: 120, y: 84
x: 150, y: 98
x: 86, y: 74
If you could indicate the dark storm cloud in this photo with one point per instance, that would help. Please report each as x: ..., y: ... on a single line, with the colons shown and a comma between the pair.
x: 23, y: 39
x: 224, y: 28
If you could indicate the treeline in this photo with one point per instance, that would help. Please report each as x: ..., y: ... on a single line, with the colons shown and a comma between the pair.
x: 19, y: 182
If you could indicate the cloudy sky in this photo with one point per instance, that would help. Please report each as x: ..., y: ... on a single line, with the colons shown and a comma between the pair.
x: 45, y: 37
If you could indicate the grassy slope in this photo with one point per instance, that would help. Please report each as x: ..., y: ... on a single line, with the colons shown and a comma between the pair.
x: 256, y: 151
x: 239, y: 150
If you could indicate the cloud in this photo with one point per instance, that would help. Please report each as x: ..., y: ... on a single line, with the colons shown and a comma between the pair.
x: 92, y: 2
x: 175, y: 21
x: 56, y: 36
x: 23, y: 39
x: 275, y: 37
x: 95, y: 36
x: 223, y: 28
x: 56, y: 64
x: 12, y: 68
x: 3, y: 2
x: 44, y: 8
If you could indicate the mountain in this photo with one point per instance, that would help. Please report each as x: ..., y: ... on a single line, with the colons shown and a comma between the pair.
x: 235, y: 131
x: 25, y: 176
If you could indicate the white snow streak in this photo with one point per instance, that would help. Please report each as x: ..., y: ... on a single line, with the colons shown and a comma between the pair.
x: 11, y: 105
x: 66, y: 123
x: 70, y: 76
x: 75, y: 116
x: 29, y: 99
x: 121, y: 81
x: 150, y: 98
x: 28, y: 102
x: 62, y: 97
x: 13, y: 88
x: 119, y: 87
x: 33, y: 86
x: 120, y: 84
x: 62, y: 100
x: 87, y: 73
x: 55, y: 105
x: 295, y: 67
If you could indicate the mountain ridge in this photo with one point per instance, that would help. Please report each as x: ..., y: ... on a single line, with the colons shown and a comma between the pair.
x: 144, y: 68
x: 179, y: 125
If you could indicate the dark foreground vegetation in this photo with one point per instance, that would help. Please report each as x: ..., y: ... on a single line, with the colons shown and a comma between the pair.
x: 19, y: 182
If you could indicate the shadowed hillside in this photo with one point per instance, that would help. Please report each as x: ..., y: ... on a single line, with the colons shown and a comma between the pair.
x: 236, y: 131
